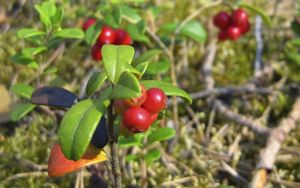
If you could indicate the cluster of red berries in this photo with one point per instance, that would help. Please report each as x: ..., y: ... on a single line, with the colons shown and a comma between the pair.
x: 232, y: 27
x: 138, y: 114
x: 108, y: 35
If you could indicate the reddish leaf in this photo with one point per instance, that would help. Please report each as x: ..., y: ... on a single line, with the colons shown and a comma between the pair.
x: 59, y: 165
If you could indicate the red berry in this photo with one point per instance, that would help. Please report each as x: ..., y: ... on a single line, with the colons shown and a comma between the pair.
x: 153, y: 117
x: 156, y: 100
x: 245, y: 27
x: 122, y: 37
x: 88, y: 23
x: 233, y: 33
x: 136, y: 119
x: 107, y: 35
x: 138, y: 101
x: 239, y: 17
x: 222, y: 20
x: 96, y: 52
x: 223, y: 35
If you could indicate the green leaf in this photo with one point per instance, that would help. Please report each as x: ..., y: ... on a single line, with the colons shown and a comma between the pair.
x: 168, y: 88
x: 114, y: 18
x: 131, y: 157
x: 22, y: 90
x: 136, y: 34
x: 79, y: 124
x: 135, y: 140
x: 161, y: 134
x: 29, y: 32
x: 95, y: 83
x: 257, y: 11
x: 92, y: 33
x: 147, y: 56
x: 57, y: 18
x: 158, y: 67
x: 127, y: 87
x: 74, y: 33
x: 33, y: 51
x: 152, y: 156
x: 115, y: 59
x: 130, y: 14
x: 142, y: 67
x: 44, y: 17
x: 194, y: 30
x: 296, y: 42
x: 20, y: 111
x: 22, y: 59
x: 130, y: 68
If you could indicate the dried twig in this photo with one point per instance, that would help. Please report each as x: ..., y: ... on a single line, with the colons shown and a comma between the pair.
x: 275, y: 140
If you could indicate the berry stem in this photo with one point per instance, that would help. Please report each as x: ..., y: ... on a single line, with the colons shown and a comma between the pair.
x: 114, y: 151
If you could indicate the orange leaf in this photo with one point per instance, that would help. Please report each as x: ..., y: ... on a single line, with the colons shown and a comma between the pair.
x: 58, y: 164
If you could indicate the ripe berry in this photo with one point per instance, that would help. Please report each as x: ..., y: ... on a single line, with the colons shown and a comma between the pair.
x: 136, y: 119
x: 88, y: 23
x: 153, y: 117
x: 156, y: 100
x: 96, y: 52
x: 122, y: 37
x: 239, y: 17
x: 233, y: 33
x: 245, y: 27
x: 222, y: 20
x: 223, y: 35
x: 138, y: 101
x: 107, y: 35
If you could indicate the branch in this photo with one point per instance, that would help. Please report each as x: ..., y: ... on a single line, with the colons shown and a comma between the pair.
x: 240, y: 119
x: 113, y: 148
x: 275, y: 140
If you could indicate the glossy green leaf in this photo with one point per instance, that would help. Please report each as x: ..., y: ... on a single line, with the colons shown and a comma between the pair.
x: 29, y: 32
x: 168, y: 88
x: 44, y: 17
x: 142, y: 67
x: 114, y: 18
x: 115, y: 59
x: 33, y: 51
x: 130, y: 14
x: 130, y: 68
x: 22, y: 90
x: 136, y: 34
x: 57, y: 18
x: 95, y: 83
x: 131, y: 157
x: 127, y: 87
x: 22, y: 59
x: 158, y: 67
x: 152, y: 156
x: 72, y: 33
x: 148, y: 55
x: 92, y: 33
x: 79, y: 124
x: 161, y: 134
x: 266, y: 19
x: 20, y: 111
x: 135, y: 140
x: 192, y: 29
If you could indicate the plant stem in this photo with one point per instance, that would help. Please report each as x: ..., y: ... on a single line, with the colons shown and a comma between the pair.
x: 113, y: 142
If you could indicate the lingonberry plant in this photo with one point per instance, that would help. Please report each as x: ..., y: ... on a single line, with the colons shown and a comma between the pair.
x: 125, y: 100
